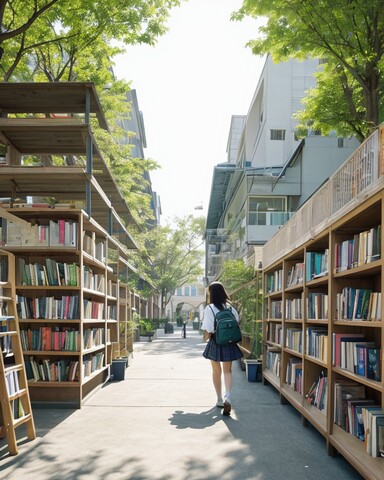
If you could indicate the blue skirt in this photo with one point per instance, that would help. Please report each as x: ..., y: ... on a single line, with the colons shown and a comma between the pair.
x: 217, y: 353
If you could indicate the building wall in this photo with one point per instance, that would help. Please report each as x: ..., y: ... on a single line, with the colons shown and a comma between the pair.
x: 277, y: 97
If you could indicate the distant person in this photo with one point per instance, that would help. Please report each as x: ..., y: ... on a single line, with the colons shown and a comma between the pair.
x: 221, y: 356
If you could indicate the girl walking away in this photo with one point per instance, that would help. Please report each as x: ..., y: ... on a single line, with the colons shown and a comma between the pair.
x: 221, y: 357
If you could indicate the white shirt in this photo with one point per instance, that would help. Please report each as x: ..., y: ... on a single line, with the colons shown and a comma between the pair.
x: 209, y: 319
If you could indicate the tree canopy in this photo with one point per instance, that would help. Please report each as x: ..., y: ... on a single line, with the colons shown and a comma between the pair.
x: 175, y: 254
x: 348, y: 37
x: 28, y: 27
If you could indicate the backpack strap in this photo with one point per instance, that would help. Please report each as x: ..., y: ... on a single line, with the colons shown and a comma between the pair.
x: 214, y: 321
x: 214, y: 316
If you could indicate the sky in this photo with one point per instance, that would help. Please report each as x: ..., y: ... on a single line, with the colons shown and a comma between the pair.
x: 188, y: 86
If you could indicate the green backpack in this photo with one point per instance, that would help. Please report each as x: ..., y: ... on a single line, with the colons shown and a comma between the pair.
x: 227, y: 329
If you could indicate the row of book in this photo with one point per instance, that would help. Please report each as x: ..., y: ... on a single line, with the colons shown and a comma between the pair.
x: 94, y: 337
x: 293, y: 308
x: 296, y: 275
x: 294, y: 339
x: 316, y: 264
x: 273, y: 360
x: 51, y: 273
x: 274, y: 281
x: 317, y: 342
x: 50, y: 339
x: 5, y: 340
x: 44, y: 232
x: 353, y: 353
x: 12, y: 381
x: 358, y: 304
x: 64, y: 308
x: 363, y: 248
x: 95, y: 247
x: 317, y: 393
x: 317, y: 306
x: 93, y: 281
x: 275, y: 333
x: 93, y: 309
x: 45, y: 370
x: 360, y: 416
x: 294, y: 374
x: 276, y: 309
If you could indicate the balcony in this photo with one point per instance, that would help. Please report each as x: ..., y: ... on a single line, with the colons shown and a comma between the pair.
x: 361, y: 175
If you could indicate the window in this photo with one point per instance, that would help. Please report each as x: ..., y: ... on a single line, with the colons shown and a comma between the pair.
x: 340, y: 142
x: 193, y: 291
x: 266, y: 210
x: 186, y: 291
x: 179, y: 292
x: 277, y: 134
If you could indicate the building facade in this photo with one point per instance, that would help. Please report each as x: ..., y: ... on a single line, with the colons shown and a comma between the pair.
x: 269, y: 171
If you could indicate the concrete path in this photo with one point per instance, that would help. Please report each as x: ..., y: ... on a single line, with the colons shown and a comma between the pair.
x: 161, y: 423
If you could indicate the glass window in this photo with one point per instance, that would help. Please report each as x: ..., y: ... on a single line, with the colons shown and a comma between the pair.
x: 186, y: 291
x: 193, y: 291
x: 262, y: 210
x: 277, y: 134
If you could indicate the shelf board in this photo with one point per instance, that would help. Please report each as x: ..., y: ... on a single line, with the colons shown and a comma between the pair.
x: 293, y: 352
x: 48, y: 320
x: 294, y: 320
x: 272, y: 378
x: 295, y: 288
x: 322, y: 280
x: 313, y: 321
x: 64, y: 353
x: 42, y: 384
x: 358, y: 323
x: 353, y: 450
x: 359, y: 379
x: 315, y: 360
x: 90, y: 377
x: 47, y: 287
x: 371, y: 268
x: 317, y: 418
x: 295, y: 398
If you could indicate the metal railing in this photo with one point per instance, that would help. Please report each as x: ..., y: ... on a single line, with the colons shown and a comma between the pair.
x: 352, y: 182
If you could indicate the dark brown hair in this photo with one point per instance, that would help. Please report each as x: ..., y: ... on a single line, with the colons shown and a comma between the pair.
x: 217, y: 295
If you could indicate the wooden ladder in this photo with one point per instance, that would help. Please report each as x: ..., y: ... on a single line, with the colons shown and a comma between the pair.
x: 14, y: 394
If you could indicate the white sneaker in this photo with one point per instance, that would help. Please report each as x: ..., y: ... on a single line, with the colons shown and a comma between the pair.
x: 220, y: 403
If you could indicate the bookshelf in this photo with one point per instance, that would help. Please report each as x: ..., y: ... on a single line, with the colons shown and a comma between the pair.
x: 67, y: 298
x: 323, y: 328
x: 15, y: 406
x: 71, y: 251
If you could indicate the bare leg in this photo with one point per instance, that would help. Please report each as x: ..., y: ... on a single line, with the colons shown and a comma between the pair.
x: 216, y: 377
x: 227, y: 368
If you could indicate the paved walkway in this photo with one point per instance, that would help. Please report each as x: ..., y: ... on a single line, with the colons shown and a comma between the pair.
x: 160, y: 423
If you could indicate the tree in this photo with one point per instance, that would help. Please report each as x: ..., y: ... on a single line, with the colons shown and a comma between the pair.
x: 175, y: 256
x: 28, y: 27
x: 348, y: 35
x: 235, y: 274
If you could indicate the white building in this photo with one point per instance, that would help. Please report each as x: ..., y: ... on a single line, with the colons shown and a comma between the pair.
x: 269, y: 171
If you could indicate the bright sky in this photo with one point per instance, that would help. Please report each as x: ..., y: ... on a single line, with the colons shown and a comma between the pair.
x: 188, y: 86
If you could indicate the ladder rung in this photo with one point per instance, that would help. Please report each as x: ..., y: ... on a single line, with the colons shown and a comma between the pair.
x: 19, y: 421
x: 12, y: 368
x: 10, y: 333
x: 18, y: 394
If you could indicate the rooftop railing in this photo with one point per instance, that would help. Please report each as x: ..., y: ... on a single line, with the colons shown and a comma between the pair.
x: 360, y: 176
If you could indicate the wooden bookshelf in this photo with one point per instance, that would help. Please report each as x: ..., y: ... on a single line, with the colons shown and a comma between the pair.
x: 322, y: 314
x: 69, y: 308
x: 15, y: 405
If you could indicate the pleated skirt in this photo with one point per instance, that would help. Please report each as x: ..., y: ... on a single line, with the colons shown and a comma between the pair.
x: 217, y: 353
